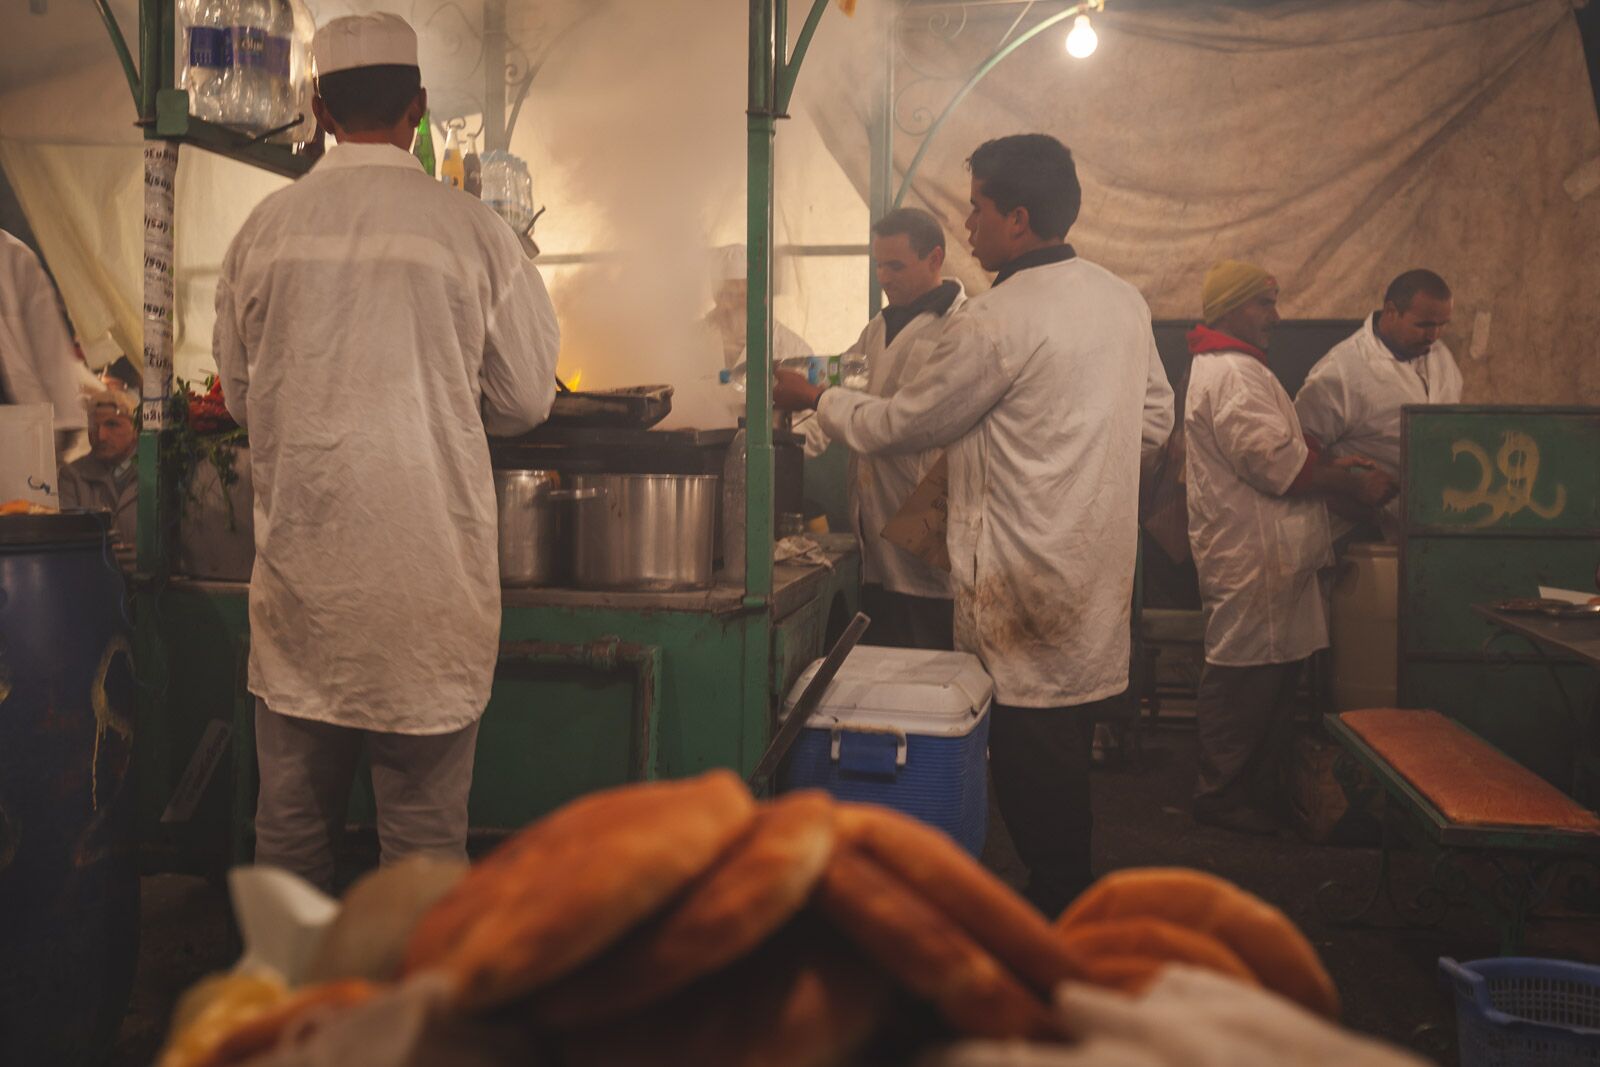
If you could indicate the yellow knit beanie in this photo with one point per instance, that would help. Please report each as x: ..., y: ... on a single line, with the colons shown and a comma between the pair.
x: 1230, y: 284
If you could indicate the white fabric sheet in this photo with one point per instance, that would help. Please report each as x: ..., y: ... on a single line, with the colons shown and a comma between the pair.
x: 371, y: 323
x: 37, y: 363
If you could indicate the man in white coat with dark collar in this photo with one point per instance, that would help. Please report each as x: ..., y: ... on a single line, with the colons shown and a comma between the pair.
x: 375, y: 599
x: 1038, y: 391
x: 1351, y: 400
x: 907, y: 598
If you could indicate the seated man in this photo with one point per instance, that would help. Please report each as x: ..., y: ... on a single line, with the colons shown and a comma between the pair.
x: 1351, y: 400
x: 1259, y: 532
x: 105, y: 479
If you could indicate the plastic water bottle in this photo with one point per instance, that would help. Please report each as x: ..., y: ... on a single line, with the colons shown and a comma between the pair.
x: 252, y: 100
x: 207, y: 57
x: 279, y: 65
x: 733, y: 376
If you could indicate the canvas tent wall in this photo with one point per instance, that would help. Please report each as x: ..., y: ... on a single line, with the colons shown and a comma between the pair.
x: 1336, y: 142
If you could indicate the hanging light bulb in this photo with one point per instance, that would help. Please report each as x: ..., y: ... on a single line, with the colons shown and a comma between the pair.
x: 1082, y: 41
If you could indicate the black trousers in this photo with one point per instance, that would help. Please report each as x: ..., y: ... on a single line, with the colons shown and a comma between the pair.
x: 901, y: 620
x: 1244, y: 720
x: 1039, y: 760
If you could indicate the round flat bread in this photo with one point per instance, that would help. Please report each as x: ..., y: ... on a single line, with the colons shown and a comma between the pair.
x: 1259, y: 934
x: 261, y: 1033
x: 806, y: 998
x: 926, y: 951
x: 943, y: 874
x: 1102, y: 946
x: 567, y: 891
x: 757, y: 886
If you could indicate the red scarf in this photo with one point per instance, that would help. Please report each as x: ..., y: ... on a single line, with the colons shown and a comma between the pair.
x: 1203, y: 339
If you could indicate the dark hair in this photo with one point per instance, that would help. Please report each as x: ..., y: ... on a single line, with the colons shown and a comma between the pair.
x: 919, y: 226
x: 1408, y: 285
x: 1034, y: 171
x: 369, y: 98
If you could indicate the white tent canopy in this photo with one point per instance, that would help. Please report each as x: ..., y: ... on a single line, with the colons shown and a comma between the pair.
x: 1338, y: 143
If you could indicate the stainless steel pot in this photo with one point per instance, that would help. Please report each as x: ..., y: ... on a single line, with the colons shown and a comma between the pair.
x: 529, y: 508
x: 646, y: 531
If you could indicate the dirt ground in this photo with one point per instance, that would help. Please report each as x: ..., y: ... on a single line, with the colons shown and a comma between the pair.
x: 1388, y: 976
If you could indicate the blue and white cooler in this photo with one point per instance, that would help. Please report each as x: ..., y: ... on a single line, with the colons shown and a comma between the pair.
x: 904, y: 728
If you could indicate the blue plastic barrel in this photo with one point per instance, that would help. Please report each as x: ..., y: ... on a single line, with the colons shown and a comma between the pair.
x: 69, y: 885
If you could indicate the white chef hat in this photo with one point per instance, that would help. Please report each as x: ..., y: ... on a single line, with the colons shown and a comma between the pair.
x: 729, y: 264
x: 375, y: 40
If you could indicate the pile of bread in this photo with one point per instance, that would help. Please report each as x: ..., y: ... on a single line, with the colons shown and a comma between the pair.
x: 683, y: 922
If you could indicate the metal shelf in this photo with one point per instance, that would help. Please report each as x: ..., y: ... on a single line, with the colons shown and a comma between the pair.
x: 174, y: 123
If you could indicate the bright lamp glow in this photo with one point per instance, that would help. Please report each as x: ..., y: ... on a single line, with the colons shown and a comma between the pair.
x: 1082, y: 41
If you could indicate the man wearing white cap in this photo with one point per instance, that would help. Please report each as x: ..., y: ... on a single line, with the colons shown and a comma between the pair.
x: 372, y: 324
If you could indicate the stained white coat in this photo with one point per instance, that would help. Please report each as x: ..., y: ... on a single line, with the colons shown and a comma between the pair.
x: 1257, y: 550
x: 371, y: 325
x: 1037, y: 389
x: 1351, y: 401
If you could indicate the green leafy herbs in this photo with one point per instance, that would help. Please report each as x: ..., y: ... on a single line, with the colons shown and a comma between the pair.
x: 200, y: 430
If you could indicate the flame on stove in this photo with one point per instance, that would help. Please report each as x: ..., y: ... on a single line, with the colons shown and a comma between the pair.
x: 575, y: 380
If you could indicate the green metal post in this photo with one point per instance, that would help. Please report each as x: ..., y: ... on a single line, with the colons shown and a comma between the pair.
x: 120, y: 43
x: 494, y: 76
x: 150, y: 81
x: 762, y: 129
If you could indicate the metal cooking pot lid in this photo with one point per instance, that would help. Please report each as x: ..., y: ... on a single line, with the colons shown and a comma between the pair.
x: 66, y: 528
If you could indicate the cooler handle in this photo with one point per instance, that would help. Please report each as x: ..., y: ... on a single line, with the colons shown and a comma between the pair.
x: 865, y: 756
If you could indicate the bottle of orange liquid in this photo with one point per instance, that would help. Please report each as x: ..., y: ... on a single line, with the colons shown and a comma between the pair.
x: 452, y: 166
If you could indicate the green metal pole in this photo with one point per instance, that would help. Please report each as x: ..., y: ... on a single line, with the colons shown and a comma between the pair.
x: 762, y: 128
x: 149, y: 59
x: 120, y: 43
x: 971, y: 83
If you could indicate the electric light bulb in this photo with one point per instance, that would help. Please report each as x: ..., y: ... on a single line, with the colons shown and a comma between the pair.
x: 1082, y: 41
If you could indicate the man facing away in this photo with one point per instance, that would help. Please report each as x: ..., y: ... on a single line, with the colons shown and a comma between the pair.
x: 1351, y: 400
x: 372, y: 324
x: 1258, y: 528
x: 1038, y: 391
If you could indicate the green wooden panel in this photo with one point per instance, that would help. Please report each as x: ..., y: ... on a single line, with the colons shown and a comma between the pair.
x: 1445, y: 576
x: 1500, y: 469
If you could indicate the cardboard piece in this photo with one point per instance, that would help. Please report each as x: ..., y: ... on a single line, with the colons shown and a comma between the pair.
x: 920, y: 524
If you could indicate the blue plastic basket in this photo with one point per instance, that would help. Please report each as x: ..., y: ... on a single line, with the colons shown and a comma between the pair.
x: 1516, y: 1011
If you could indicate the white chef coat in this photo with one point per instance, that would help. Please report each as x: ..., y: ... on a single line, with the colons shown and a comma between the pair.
x: 371, y: 324
x: 1257, y: 550
x: 1351, y: 402
x: 880, y: 484
x: 1037, y: 387
x: 37, y: 361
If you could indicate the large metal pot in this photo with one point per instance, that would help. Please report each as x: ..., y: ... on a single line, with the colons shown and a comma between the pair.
x: 646, y: 531
x: 529, y: 507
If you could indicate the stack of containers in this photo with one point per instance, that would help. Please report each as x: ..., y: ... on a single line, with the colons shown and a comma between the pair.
x: 904, y: 728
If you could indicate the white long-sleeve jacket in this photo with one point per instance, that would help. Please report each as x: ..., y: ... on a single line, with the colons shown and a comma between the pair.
x: 1038, y: 390
x: 37, y: 363
x: 371, y: 325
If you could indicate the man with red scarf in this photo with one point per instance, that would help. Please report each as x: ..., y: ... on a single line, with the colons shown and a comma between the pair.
x: 1258, y: 528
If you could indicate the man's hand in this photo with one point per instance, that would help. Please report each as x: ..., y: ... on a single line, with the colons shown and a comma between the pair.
x: 1374, y: 488
x: 791, y: 391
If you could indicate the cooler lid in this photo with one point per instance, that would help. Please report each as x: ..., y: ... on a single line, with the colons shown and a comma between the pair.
x: 923, y: 692
x: 63, y: 528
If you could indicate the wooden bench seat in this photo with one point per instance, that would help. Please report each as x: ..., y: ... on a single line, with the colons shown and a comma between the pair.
x: 1469, y: 781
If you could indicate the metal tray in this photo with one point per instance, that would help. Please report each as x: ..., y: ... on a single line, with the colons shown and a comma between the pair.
x: 1559, y: 609
x: 636, y: 407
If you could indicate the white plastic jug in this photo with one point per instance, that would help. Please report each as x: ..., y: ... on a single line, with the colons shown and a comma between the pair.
x: 28, y: 454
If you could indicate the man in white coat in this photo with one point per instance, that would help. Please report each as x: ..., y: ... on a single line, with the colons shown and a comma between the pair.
x: 1258, y: 528
x: 37, y: 362
x: 1351, y: 400
x: 1037, y: 389
x: 907, y: 598
x: 372, y: 324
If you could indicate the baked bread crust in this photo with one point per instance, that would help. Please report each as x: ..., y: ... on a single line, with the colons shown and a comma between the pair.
x: 1258, y: 933
x: 1127, y: 954
x: 570, y: 886
x: 761, y: 881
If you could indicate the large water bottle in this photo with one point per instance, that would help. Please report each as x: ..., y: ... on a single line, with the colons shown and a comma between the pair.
x: 253, y: 99
x: 207, y: 57
x: 279, y: 65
